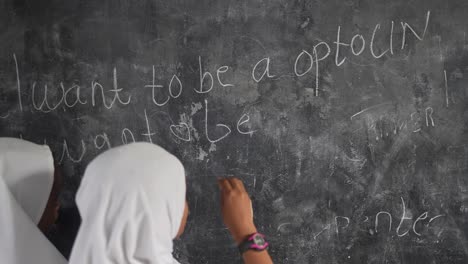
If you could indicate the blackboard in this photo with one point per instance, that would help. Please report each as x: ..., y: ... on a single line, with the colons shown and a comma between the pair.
x: 347, y: 120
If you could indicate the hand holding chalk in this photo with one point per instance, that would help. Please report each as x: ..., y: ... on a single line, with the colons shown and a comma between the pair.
x: 236, y: 208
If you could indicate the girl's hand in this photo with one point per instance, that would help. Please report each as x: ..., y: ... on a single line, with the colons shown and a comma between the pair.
x: 236, y: 208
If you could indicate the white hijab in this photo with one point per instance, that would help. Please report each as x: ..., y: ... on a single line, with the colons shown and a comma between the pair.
x: 131, y: 201
x: 26, y: 178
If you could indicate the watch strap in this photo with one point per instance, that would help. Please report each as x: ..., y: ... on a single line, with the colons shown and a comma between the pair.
x: 250, y: 244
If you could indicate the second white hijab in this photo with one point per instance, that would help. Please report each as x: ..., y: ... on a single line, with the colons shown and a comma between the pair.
x: 26, y: 178
x: 131, y: 201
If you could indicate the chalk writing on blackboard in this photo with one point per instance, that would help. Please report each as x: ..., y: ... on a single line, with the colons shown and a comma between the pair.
x: 403, y: 224
x: 307, y: 62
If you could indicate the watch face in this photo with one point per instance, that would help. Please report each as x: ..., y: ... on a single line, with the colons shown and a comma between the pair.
x: 259, y: 240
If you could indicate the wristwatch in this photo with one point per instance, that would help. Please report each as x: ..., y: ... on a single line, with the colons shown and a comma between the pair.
x: 255, y: 241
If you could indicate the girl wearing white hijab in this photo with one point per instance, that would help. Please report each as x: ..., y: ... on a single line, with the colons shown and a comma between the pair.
x: 26, y: 180
x: 131, y: 201
x: 132, y: 204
